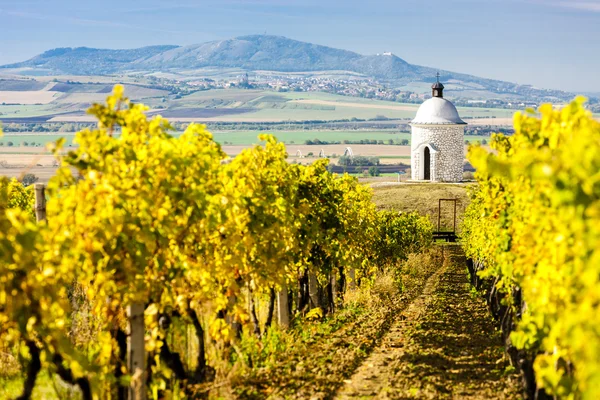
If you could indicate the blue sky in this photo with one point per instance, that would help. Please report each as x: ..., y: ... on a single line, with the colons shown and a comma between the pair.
x: 547, y: 43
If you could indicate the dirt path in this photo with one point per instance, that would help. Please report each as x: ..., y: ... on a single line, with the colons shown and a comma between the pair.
x: 444, y: 345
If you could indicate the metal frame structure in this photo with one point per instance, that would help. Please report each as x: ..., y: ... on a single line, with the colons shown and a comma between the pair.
x: 449, y: 236
x: 455, y: 201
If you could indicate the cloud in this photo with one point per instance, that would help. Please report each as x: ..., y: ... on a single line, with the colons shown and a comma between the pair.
x: 587, y: 5
x: 582, y: 5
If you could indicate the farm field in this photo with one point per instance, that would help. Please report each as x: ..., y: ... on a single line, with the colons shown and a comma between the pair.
x: 300, y: 137
x: 23, y: 111
x: 43, y: 172
x: 28, y: 97
x: 299, y: 106
x: 66, y: 101
x: 32, y: 139
x: 243, y: 137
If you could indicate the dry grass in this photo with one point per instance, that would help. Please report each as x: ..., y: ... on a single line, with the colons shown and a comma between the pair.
x: 443, y: 346
x: 324, y: 353
x: 28, y: 97
x: 422, y: 198
x: 16, y: 165
x: 35, y: 156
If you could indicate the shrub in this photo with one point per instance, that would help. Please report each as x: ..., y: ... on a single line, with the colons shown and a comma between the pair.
x: 374, y: 171
x: 29, y: 179
x: 358, y: 161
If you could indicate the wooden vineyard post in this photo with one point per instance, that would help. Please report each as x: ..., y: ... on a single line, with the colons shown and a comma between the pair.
x: 235, y: 326
x: 135, y: 351
x: 40, y: 201
x: 454, y: 229
x: 312, y: 290
x: 334, y: 291
x: 189, y: 339
x: 439, y: 214
x: 283, y: 311
x: 351, y: 279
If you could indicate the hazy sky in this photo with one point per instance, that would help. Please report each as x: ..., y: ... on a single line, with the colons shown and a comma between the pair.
x: 547, y: 43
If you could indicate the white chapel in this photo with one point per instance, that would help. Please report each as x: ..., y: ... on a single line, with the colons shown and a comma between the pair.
x: 438, y: 140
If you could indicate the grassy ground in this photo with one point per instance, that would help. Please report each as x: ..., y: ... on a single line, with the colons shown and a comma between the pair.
x: 423, y: 198
x: 300, y: 137
x: 40, y: 139
x: 12, y: 386
x: 22, y: 111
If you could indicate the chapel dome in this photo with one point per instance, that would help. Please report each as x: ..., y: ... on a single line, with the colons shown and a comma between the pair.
x: 437, y: 111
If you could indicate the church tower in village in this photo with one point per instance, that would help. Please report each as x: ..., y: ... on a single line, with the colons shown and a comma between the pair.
x: 438, y: 140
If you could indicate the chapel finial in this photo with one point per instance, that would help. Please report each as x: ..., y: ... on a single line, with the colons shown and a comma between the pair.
x: 437, y: 89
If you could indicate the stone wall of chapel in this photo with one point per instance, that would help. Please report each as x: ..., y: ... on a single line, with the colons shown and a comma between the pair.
x: 449, y: 142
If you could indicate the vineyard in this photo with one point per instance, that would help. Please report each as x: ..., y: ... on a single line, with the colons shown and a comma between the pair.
x: 145, y: 242
x: 532, y: 232
x: 153, y: 266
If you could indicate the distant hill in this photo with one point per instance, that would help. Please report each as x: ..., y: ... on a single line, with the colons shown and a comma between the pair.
x: 88, y: 61
x: 277, y: 53
x: 255, y: 52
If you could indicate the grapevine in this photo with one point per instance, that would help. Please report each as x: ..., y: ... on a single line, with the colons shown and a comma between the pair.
x: 138, y: 216
x: 534, y: 223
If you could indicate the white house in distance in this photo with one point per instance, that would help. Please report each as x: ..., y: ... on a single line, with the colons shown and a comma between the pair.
x: 438, y: 140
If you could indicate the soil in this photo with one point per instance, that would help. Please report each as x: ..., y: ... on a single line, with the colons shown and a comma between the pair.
x: 443, y: 346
